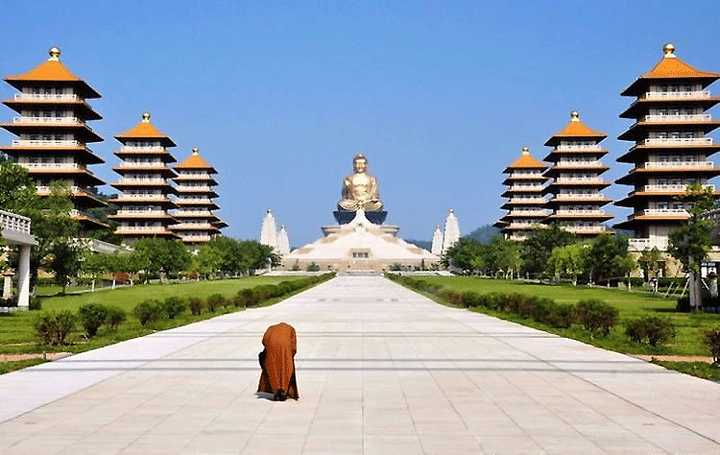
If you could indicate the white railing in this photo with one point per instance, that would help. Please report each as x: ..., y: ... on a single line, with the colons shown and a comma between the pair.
x: 579, y: 180
x: 647, y: 244
x: 51, y: 165
x: 529, y: 188
x: 666, y: 164
x: 523, y: 175
x: 578, y: 196
x: 194, y: 226
x: 193, y: 213
x: 665, y: 212
x: 677, y: 117
x: 141, y: 149
x: 141, y: 213
x: 683, y: 188
x: 517, y: 238
x: 183, y: 176
x: 527, y: 200
x: 182, y: 200
x: 145, y: 229
x: 49, y: 120
x: 528, y: 213
x: 46, y: 97
x: 678, y: 141
x: 594, y: 229
x: 579, y: 148
x: 13, y: 222
x: 580, y: 212
x: 45, y: 143
x: 131, y: 165
x: 149, y: 197
x: 129, y: 181
x: 189, y: 189
x: 562, y: 164
x: 677, y: 95
x: 195, y: 238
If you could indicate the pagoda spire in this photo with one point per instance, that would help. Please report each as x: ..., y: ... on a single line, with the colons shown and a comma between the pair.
x: 452, y: 231
x: 283, y: 242
x: 437, y: 241
x: 268, y: 230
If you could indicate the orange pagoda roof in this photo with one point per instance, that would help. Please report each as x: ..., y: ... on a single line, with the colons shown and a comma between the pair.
x: 575, y: 128
x: 526, y: 161
x: 670, y: 67
x: 145, y: 130
x: 52, y: 70
x: 195, y: 161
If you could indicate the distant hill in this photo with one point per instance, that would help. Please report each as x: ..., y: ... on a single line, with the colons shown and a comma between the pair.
x: 484, y: 234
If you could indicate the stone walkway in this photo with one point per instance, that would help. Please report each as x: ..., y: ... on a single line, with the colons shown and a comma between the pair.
x: 380, y: 369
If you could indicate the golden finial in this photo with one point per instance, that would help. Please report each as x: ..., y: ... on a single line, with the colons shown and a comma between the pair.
x: 146, y: 117
x: 574, y: 116
x: 358, y: 156
x: 195, y: 151
x: 669, y: 50
x: 268, y: 211
x: 525, y: 151
x: 54, y: 54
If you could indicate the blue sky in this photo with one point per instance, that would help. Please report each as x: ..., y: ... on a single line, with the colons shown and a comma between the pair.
x: 280, y: 95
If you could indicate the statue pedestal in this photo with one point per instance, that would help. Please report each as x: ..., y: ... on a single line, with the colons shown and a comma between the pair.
x: 346, y: 216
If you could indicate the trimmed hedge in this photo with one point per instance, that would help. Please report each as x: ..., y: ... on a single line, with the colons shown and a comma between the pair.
x: 596, y: 316
x: 712, y: 341
x: 53, y: 328
x: 652, y: 330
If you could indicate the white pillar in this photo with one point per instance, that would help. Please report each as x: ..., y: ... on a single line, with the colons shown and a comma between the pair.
x: 23, y: 274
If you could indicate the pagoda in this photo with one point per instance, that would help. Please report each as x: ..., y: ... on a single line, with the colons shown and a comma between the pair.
x: 195, y: 184
x: 670, y: 149
x: 576, y: 200
x: 144, y: 184
x: 52, y: 133
x: 524, y: 192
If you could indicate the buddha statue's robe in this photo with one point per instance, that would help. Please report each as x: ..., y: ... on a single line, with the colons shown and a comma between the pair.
x: 278, y: 360
x: 360, y: 191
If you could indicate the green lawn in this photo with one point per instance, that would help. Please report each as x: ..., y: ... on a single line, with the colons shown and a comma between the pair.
x: 18, y: 336
x: 690, y: 327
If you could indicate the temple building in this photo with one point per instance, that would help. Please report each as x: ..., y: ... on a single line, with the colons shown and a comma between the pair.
x: 451, y: 234
x: 575, y: 199
x: 525, y: 203
x: 195, y: 185
x: 670, y: 149
x: 52, y: 133
x: 145, y: 190
x: 269, y: 230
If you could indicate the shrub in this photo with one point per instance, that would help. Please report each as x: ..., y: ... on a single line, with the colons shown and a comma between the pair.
x: 313, y: 267
x: 214, y: 302
x: 562, y: 315
x: 247, y: 297
x: 266, y: 292
x: 173, y: 307
x: 196, y: 305
x: 148, y: 312
x: 92, y: 316
x: 471, y: 299
x: 115, y: 317
x: 712, y: 341
x: 454, y: 297
x: 651, y: 329
x: 35, y: 304
x: 491, y: 301
x: 53, y: 328
x: 596, y: 316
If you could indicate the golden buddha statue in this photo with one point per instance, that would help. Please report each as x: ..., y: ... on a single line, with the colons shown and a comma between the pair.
x: 360, y: 190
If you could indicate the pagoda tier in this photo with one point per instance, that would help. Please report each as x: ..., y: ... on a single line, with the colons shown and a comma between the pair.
x: 145, y: 190
x: 52, y: 133
x: 670, y: 149
x: 575, y: 197
x: 197, y: 224
x: 524, y: 192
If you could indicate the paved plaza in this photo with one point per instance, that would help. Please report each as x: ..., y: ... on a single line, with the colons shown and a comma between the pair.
x: 381, y: 369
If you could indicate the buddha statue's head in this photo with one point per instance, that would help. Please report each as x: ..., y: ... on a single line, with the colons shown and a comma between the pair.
x: 359, y: 163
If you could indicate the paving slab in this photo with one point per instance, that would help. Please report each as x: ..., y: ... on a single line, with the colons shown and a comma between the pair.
x: 381, y: 369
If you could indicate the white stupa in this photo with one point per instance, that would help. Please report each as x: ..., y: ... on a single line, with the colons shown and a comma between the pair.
x: 437, y: 242
x: 360, y: 245
x: 452, y: 231
x: 268, y: 230
x: 283, y: 242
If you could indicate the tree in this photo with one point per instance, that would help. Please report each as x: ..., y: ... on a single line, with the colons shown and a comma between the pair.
x: 156, y: 255
x: 462, y: 254
x: 17, y: 190
x: 651, y: 260
x: 690, y: 243
x: 568, y: 261
x: 538, y: 246
x: 608, y: 258
x: 503, y: 254
x: 208, y: 260
x: 65, y: 260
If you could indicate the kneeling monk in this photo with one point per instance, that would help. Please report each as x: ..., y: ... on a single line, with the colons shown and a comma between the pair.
x: 278, y: 362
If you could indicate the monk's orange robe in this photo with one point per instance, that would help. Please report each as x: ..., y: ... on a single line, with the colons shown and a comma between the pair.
x: 278, y: 360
